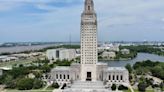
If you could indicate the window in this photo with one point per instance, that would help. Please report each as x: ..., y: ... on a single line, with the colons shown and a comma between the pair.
x: 109, y: 77
x: 68, y: 76
x: 60, y: 76
x: 56, y: 76
x: 113, y: 77
x: 117, y: 77
x: 89, y: 7
x: 64, y: 76
x: 121, y: 77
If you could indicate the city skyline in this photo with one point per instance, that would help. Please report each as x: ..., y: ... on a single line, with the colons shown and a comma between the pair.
x: 56, y: 20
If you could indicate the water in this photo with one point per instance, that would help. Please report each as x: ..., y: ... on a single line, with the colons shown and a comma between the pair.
x: 23, y: 48
x: 140, y: 57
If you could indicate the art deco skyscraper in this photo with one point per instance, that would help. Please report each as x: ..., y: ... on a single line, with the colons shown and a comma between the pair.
x: 88, y: 42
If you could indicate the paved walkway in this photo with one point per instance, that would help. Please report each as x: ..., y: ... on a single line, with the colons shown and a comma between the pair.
x: 129, y: 86
x: 79, y: 86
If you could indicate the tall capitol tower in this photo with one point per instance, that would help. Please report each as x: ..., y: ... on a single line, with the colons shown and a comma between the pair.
x: 77, y: 75
x: 89, y: 55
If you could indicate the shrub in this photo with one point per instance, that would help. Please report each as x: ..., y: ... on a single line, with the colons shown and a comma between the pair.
x: 55, y: 85
x: 121, y: 87
x: 142, y: 86
x: 113, y: 87
x: 25, y: 84
x: 37, y: 84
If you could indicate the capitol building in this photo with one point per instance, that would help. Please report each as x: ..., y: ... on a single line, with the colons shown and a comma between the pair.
x: 89, y: 75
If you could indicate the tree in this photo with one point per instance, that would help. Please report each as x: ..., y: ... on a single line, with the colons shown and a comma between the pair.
x: 37, y: 84
x: 55, y: 85
x: 11, y: 84
x: 113, y: 87
x: 158, y: 72
x: 25, y: 84
x: 142, y: 86
x: 129, y: 68
x: 122, y: 87
x: 37, y: 74
x: 162, y: 86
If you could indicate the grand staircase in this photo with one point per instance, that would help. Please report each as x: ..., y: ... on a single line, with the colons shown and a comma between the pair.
x: 87, y: 86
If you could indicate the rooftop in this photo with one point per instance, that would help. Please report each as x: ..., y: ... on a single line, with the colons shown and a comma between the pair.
x: 117, y: 68
x: 5, y: 68
x: 61, y: 68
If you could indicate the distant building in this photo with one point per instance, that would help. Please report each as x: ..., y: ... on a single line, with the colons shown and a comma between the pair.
x: 7, y: 58
x: 61, y: 54
x: 78, y: 53
x: 109, y: 47
x: 125, y: 51
x: 109, y: 55
x: 2, y: 69
x: 21, y: 55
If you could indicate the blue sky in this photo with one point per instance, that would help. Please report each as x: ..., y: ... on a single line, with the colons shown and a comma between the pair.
x: 56, y: 20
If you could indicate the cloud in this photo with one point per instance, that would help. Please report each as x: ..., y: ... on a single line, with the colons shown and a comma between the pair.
x: 162, y: 19
x: 55, y: 20
x: 6, y: 5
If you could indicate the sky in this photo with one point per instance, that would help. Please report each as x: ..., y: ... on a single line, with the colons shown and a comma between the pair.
x: 59, y: 20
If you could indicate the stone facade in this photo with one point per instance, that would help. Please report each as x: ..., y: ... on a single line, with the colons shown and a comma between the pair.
x: 88, y: 42
x: 113, y: 75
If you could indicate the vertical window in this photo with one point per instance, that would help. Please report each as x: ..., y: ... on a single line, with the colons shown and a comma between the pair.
x: 64, y: 76
x: 109, y: 77
x: 89, y: 7
x: 68, y: 76
x: 113, y: 77
x: 121, y: 77
x: 56, y: 76
x: 60, y: 76
x: 117, y: 77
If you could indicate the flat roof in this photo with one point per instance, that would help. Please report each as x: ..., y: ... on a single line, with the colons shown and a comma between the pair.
x: 101, y: 63
x: 5, y: 68
x: 117, y: 68
x: 1, y: 57
x: 61, y: 68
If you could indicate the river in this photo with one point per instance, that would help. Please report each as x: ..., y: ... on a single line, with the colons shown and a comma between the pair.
x: 24, y: 48
x: 140, y: 57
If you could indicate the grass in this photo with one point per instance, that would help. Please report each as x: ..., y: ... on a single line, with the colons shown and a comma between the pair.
x: 50, y: 88
x: 135, y: 90
x: 33, y: 90
x: 127, y: 90
x: 28, y: 91
x: 145, y: 91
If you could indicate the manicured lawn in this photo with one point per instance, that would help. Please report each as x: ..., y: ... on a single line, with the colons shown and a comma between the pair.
x: 28, y: 90
x: 145, y: 91
x: 127, y: 90
x: 50, y: 88
x: 138, y: 91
